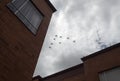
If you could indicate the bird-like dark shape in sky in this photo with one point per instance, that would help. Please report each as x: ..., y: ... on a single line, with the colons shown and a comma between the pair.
x: 60, y: 36
x: 51, y: 43
x: 60, y: 42
x: 74, y: 41
x: 68, y: 37
x: 56, y: 35
x: 50, y: 47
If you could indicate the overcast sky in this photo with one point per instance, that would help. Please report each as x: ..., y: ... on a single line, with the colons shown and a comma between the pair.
x: 77, y: 29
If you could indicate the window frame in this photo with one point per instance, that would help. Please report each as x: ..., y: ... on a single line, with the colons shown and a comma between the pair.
x: 10, y: 4
x: 110, y: 69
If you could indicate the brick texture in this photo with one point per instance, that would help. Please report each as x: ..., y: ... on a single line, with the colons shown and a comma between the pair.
x: 19, y: 48
x: 104, y: 61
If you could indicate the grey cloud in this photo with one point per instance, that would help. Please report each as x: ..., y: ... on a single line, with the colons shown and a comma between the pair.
x: 66, y: 61
x: 89, y: 22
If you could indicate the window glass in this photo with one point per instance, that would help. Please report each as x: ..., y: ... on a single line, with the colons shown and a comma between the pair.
x: 18, y: 3
x: 110, y: 75
x: 27, y: 13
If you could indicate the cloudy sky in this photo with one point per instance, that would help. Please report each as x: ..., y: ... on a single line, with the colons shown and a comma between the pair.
x: 77, y: 29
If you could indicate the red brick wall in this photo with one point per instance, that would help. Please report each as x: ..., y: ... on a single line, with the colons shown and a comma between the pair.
x: 36, y: 80
x: 19, y: 48
x: 101, y: 62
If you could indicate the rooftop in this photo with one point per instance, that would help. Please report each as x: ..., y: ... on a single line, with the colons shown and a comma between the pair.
x: 51, y: 6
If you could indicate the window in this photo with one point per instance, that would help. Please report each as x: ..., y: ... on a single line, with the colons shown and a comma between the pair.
x: 27, y: 13
x: 110, y: 75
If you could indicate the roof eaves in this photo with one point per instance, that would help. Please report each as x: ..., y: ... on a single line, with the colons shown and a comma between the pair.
x: 37, y: 77
x: 64, y: 71
x: 51, y: 6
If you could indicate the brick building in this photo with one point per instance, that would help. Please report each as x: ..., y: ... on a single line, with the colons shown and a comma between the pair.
x: 103, y: 65
x: 23, y: 26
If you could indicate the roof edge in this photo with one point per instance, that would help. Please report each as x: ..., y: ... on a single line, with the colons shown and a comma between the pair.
x: 37, y: 77
x: 64, y: 71
x: 51, y: 5
x: 101, y: 51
